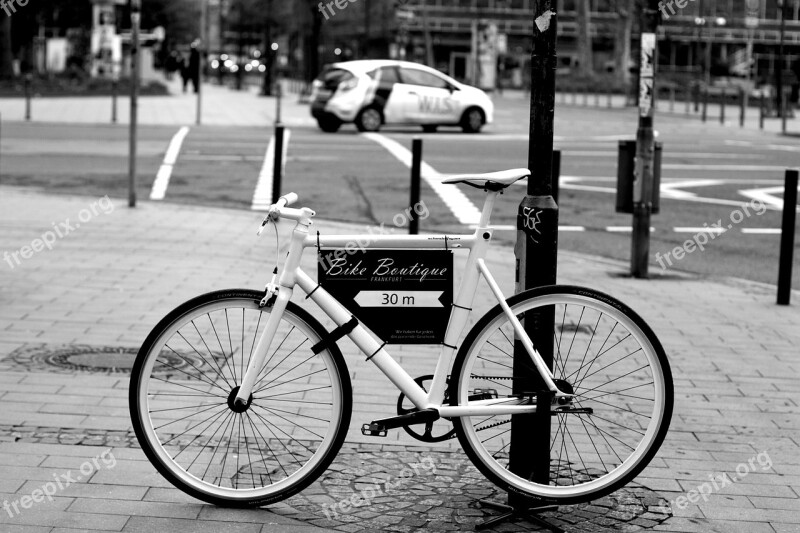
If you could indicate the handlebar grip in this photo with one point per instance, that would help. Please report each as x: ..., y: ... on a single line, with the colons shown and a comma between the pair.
x: 287, y: 199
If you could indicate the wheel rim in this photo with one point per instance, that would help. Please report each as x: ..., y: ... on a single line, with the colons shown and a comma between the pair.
x: 371, y: 120
x: 588, y: 453
x: 475, y: 119
x: 282, y: 435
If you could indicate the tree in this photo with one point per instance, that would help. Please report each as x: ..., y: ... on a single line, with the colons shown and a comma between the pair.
x: 585, y: 56
x: 622, y: 46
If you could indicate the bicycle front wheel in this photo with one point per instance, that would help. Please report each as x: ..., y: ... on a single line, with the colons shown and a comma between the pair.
x: 186, y: 377
x: 606, y: 355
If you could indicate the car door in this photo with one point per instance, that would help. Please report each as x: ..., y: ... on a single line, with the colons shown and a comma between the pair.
x: 428, y: 98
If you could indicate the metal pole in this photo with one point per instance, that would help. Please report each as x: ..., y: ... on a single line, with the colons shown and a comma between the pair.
x: 761, y: 110
x: 784, y: 112
x: 136, y: 17
x: 787, y: 237
x: 201, y: 49
x: 416, y: 175
x: 536, y: 251
x: 278, y: 98
x: 722, y: 106
x: 114, y: 91
x: 645, y: 146
x: 277, y: 166
x: 705, y: 104
x: 28, y: 96
x: 743, y: 107
x: 779, y: 69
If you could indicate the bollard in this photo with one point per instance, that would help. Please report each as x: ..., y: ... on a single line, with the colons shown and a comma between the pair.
x: 277, y: 166
x: 114, y: 89
x: 672, y: 99
x: 705, y: 105
x: 597, y: 98
x: 743, y: 97
x: 722, y: 106
x: 610, y: 102
x: 787, y: 237
x: 28, y: 96
x: 556, y: 174
x: 761, y: 110
x: 416, y: 175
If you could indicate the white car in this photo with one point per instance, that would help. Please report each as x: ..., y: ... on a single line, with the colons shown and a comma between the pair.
x: 372, y: 93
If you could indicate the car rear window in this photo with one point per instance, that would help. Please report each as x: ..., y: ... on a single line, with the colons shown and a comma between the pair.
x: 331, y: 78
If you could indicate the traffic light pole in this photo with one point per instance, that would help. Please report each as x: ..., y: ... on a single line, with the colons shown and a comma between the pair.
x: 536, y: 252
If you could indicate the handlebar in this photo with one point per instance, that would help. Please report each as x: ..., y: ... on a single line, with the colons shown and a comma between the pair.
x: 287, y: 200
x: 279, y: 210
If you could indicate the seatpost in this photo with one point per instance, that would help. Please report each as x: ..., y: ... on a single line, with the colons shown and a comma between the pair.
x: 488, y: 207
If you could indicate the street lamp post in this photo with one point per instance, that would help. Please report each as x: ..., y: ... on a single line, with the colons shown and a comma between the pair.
x: 779, y: 69
x: 136, y: 18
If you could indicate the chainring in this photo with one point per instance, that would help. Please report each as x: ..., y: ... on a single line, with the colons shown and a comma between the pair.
x: 437, y: 431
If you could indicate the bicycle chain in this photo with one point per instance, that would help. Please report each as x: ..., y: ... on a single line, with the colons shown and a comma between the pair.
x: 496, y: 424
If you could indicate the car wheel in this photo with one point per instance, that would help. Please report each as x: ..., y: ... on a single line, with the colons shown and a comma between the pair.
x: 329, y: 125
x: 430, y: 128
x: 370, y: 119
x: 473, y: 120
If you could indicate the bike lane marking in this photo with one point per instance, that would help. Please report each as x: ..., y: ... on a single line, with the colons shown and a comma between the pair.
x: 458, y: 203
x: 262, y: 196
x: 161, y: 182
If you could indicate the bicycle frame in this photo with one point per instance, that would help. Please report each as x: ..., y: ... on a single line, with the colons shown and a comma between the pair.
x: 292, y: 275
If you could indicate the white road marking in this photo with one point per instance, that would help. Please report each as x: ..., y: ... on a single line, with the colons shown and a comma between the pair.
x: 672, y: 189
x: 624, y: 229
x: 726, y: 168
x: 761, y: 231
x: 560, y: 228
x: 766, y: 196
x: 161, y: 183
x: 262, y: 197
x: 715, y: 231
x: 461, y: 206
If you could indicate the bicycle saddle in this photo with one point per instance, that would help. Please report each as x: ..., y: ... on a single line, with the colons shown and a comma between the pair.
x: 490, y: 181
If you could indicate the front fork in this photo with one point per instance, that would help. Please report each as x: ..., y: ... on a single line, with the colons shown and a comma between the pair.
x: 254, y: 367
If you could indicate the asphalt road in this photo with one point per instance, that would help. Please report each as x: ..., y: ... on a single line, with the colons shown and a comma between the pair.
x: 709, y: 173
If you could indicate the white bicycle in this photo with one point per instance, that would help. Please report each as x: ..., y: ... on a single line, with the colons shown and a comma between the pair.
x: 242, y: 398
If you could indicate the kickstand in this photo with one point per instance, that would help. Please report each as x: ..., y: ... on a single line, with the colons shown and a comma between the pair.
x: 511, y: 514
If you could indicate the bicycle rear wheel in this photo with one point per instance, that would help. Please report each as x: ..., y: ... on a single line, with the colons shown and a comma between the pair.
x: 610, y: 359
x: 186, y: 377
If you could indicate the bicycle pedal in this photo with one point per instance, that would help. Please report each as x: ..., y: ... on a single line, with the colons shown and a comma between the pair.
x: 483, y: 394
x: 373, y: 430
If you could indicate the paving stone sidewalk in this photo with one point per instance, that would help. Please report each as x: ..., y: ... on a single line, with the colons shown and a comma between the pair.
x: 734, y: 356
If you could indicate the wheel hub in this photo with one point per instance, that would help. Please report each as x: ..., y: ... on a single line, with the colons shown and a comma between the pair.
x: 238, y: 408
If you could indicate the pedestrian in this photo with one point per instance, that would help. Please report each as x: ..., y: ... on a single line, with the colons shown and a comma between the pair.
x: 183, y: 68
x: 173, y: 62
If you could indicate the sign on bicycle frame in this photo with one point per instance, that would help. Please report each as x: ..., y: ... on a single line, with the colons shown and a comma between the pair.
x: 403, y: 296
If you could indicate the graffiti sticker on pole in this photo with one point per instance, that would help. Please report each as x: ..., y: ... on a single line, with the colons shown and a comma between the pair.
x: 648, y: 55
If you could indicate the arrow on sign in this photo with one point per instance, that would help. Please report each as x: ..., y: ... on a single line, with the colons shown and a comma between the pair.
x: 399, y: 298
